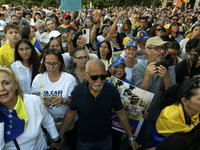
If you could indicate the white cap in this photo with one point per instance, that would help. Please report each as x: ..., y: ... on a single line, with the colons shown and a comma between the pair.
x: 54, y: 33
x: 2, y: 25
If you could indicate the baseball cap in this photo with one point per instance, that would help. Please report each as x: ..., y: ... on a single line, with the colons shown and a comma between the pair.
x: 157, y: 41
x: 2, y: 25
x: 130, y: 43
x: 129, y: 38
x: 54, y: 33
x: 66, y: 14
x: 143, y: 35
x: 174, y: 23
x: 116, y: 60
x: 37, y: 14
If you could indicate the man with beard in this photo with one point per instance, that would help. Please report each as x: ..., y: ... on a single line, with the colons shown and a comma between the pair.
x: 94, y: 100
x: 153, y: 78
x: 18, y: 12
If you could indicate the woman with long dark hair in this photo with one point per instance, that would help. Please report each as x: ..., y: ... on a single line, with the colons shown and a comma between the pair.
x: 26, y: 63
x: 29, y: 34
x: 174, y: 31
x: 180, y: 110
x: 105, y: 53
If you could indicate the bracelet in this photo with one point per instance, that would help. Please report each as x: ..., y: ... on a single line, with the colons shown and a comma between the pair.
x: 131, y: 139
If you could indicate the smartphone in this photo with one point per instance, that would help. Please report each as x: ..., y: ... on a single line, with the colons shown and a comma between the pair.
x: 47, y: 98
x: 86, y: 34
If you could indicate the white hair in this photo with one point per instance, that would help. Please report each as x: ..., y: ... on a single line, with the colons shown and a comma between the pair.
x: 39, y: 21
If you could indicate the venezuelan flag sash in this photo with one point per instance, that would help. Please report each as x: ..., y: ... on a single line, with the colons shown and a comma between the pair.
x: 15, y: 122
x: 171, y: 120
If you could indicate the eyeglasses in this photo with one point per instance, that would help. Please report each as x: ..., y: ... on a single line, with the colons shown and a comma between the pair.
x: 95, y: 77
x: 158, y: 49
x: 54, y: 65
x: 194, y: 84
x: 55, y: 51
x: 198, y: 54
x: 82, y: 58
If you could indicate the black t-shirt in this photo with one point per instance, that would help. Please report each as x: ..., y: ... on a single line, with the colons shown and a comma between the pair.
x: 182, y: 72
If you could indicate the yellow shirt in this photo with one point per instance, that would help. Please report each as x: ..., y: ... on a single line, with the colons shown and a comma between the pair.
x: 6, y: 55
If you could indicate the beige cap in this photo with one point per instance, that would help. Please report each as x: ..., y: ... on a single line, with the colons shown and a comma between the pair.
x: 156, y: 41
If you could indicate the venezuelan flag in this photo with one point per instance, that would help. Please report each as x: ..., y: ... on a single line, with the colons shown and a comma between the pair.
x: 15, y: 122
x: 171, y: 120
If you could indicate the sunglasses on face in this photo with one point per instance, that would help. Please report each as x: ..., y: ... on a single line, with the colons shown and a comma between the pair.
x: 175, y: 19
x: 55, y: 51
x: 68, y: 18
x: 95, y: 77
x: 159, y: 29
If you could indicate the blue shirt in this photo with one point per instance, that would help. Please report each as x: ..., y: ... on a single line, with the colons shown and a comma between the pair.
x: 155, y: 85
x: 94, y: 112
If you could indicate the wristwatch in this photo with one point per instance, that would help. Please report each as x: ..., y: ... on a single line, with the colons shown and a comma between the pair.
x: 58, y: 140
x: 131, y: 139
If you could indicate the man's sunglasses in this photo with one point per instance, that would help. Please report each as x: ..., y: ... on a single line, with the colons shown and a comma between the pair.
x: 95, y: 77
x: 68, y: 18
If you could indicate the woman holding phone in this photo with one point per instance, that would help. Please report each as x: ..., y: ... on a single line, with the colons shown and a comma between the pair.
x: 56, y: 86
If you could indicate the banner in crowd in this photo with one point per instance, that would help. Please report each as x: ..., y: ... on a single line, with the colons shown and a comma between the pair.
x: 135, y: 100
x: 70, y: 5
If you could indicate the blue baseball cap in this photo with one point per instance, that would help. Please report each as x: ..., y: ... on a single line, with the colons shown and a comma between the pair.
x: 130, y: 43
x: 143, y: 35
x: 116, y: 60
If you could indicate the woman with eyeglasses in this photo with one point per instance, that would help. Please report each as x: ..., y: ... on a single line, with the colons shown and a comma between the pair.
x: 26, y: 64
x: 54, y: 86
x: 54, y: 44
x: 156, y: 30
x: 180, y: 110
x: 77, y: 68
x: 21, y: 117
x: 174, y: 31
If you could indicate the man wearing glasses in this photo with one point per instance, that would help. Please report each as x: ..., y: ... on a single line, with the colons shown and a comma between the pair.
x: 187, y: 68
x: 94, y: 100
x: 66, y: 22
x: 153, y: 78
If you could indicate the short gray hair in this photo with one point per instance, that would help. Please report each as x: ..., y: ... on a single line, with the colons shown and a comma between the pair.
x: 39, y: 21
x: 97, y: 60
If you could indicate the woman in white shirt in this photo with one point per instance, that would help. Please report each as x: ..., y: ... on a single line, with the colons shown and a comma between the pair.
x: 55, y: 87
x: 22, y: 116
x: 26, y: 64
x: 105, y: 53
x: 130, y: 51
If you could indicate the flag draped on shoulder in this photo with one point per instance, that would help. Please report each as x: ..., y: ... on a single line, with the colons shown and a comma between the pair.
x: 15, y: 121
x: 171, y: 120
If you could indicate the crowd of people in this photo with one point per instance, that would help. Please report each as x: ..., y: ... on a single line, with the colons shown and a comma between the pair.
x: 54, y: 76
